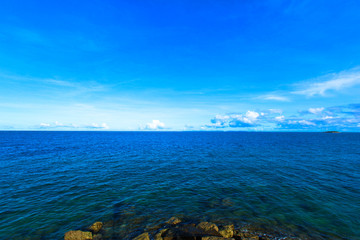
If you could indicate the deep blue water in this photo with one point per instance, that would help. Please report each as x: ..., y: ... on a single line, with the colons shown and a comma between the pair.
x: 304, y: 183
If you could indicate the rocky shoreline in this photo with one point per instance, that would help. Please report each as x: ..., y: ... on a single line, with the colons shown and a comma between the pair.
x: 178, y: 229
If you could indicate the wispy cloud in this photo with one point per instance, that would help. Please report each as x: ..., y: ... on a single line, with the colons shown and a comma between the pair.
x: 58, y: 125
x: 76, y: 87
x: 328, y: 83
x: 275, y: 98
x: 315, y: 111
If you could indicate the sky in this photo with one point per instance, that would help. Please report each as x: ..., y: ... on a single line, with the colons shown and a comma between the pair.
x: 180, y: 65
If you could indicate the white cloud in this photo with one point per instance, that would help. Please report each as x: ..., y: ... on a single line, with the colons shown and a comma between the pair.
x: 249, y: 119
x: 97, y: 126
x: 347, y: 118
x: 155, y: 125
x: 280, y: 118
x: 252, y: 115
x: 58, y: 125
x: 307, y: 123
x: 332, y: 82
x: 275, y: 98
x: 279, y: 111
x: 316, y: 110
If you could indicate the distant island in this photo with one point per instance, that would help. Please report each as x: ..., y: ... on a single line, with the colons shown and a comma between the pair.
x: 332, y: 132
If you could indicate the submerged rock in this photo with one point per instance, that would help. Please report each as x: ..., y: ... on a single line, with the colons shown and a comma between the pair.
x: 98, y: 236
x: 174, y: 221
x: 176, y: 229
x: 144, y: 236
x: 187, y: 232
x: 226, y: 202
x: 251, y: 238
x: 78, y: 235
x: 170, y: 234
x: 158, y: 236
x: 208, y: 227
x: 227, y: 231
x: 216, y: 238
x: 246, y: 235
x: 192, y: 231
x: 96, y: 227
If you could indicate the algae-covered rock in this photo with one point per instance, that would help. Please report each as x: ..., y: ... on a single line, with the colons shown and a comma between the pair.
x: 227, y: 231
x: 190, y: 230
x: 208, y: 227
x: 251, y: 238
x: 158, y: 236
x: 78, y: 235
x: 144, y: 236
x: 227, y: 202
x: 215, y: 238
x: 153, y: 228
x: 246, y: 235
x: 98, y: 236
x: 96, y: 227
x: 173, y: 221
x: 170, y: 234
x: 181, y: 233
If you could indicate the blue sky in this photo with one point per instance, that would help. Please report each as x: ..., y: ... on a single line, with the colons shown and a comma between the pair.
x: 180, y: 65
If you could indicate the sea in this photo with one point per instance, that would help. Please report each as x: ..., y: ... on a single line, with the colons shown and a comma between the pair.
x: 304, y: 185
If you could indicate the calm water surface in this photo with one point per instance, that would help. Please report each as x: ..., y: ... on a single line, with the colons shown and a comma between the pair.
x: 303, y: 183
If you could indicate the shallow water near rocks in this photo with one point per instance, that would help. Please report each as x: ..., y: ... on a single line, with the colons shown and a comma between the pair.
x: 305, y: 184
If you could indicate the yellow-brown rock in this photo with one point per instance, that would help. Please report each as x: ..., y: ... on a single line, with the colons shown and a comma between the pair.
x: 215, y: 238
x: 208, y: 227
x: 174, y: 221
x: 227, y: 231
x: 144, y: 236
x: 158, y: 236
x: 78, y: 235
x: 251, y: 238
x: 96, y: 227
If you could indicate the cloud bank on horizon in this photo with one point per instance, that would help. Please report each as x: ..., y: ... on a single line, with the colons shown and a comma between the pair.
x: 316, y: 119
x: 241, y: 65
x: 60, y: 126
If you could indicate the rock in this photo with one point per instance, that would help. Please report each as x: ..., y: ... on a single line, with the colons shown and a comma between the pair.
x: 215, y: 238
x: 144, y: 236
x: 251, y: 238
x: 153, y: 228
x: 190, y: 230
x: 98, y: 236
x: 208, y: 227
x: 78, y: 235
x: 227, y: 231
x: 266, y: 238
x: 187, y: 232
x: 226, y: 202
x: 245, y: 235
x: 96, y: 227
x: 173, y: 221
x: 158, y: 236
x: 170, y: 234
